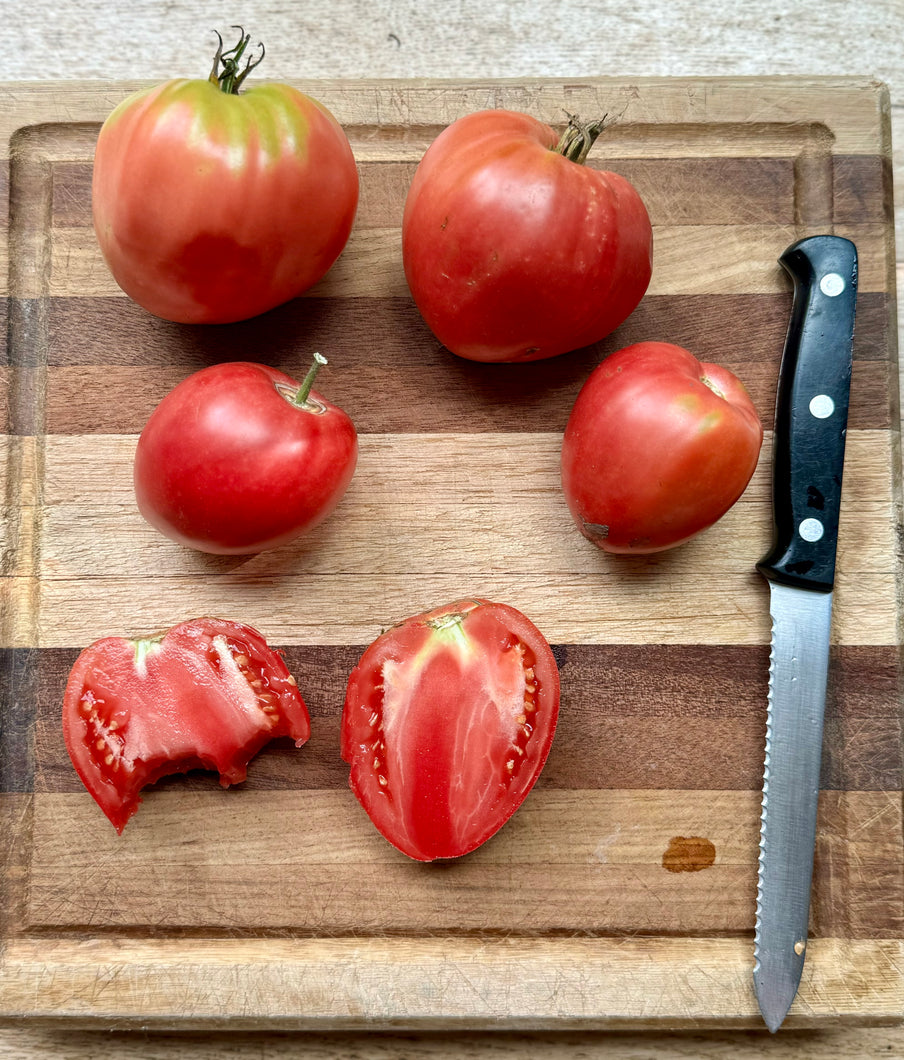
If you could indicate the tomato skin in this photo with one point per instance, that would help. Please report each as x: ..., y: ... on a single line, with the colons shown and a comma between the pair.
x: 226, y: 464
x: 513, y: 252
x: 448, y: 721
x: 652, y: 454
x: 135, y: 711
x: 211, y: 207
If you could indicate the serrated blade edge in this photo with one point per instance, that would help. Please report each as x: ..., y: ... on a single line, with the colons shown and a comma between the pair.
x: 798, y: 671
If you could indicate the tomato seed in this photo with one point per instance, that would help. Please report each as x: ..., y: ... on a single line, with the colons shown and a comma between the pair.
x: 382, y: 781
x: 101, y: 744
x: 521, y: 719
x: 242, y: 661
x: 291, y: 680
x: 109, y: 760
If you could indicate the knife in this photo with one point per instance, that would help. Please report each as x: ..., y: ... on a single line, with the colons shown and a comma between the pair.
x: 808, y: 459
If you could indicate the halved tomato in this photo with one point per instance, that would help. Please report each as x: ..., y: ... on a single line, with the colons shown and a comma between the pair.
x: 448, y: 721
x: 208, y: 694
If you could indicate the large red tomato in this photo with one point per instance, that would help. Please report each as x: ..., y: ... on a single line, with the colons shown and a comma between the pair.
x: 239, y: 458
x: 657, y: 448
x: 210, y: 206
x: 515, y: 250
x: 448, y: 720
x: 207, y: 694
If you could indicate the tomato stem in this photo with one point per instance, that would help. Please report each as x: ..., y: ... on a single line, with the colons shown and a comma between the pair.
x: 230, y: 78
x: 301, y: 395
x: 579, y: 137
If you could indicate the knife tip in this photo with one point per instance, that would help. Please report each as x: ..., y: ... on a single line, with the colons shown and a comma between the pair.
x: 773, y: 1020
x: 775, y: 1004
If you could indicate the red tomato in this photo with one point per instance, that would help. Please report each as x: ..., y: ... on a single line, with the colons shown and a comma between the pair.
x: 657, y: 448
x: 514, y: 250
x: 448, y: 720
x: 236, y: 459
x: 211, y: 206
x: 207, y: 694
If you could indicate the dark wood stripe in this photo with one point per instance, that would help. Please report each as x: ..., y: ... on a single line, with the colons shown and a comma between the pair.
x: 692, y: 191
x: 863, y: 189
x: 111, y: 362
x: 633, y: 716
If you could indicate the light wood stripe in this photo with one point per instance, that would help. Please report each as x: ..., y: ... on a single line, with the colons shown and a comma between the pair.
x: 599, y: 853
x: 329, y: 984
x: 303, y: 609
x: 497, y: 516
x: 784, y: 109
x: 741, y: 259
x: 485, y: 502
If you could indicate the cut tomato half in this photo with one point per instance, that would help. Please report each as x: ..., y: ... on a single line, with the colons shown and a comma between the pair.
x: 206, y: 694
x: 448, y: 721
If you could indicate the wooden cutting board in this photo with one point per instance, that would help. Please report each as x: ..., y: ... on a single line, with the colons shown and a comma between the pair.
x: 623, y: 892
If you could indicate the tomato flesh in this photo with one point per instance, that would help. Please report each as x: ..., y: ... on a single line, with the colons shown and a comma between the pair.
x: 207, y: 694
x: 448, y: 721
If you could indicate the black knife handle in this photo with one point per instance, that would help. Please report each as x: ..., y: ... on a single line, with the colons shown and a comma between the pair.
x: 811, y: 412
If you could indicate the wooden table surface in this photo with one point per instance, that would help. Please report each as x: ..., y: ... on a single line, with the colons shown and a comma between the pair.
x: 439, y: 38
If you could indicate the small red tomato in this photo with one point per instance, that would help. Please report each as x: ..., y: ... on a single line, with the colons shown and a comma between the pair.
x: 448, y: 720
x: 239, y: 458
x: 513, y: 248
x: 211, y: 206
x: 207, y: 694
x: 657, y: 448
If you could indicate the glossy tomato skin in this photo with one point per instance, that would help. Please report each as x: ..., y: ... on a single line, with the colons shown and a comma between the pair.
x: 658, y: 446
x: 448, y: 721
x: 513, y: 252
x: 211, y: 207
x: 207, y: 694
x: 228, y: 464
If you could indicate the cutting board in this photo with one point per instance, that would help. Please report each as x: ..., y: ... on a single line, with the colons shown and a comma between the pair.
x: 622, y: 894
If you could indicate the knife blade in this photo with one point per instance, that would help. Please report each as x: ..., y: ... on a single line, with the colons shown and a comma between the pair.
x: 808, y: 460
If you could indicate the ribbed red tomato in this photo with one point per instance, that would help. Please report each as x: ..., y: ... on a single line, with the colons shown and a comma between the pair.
x: 513, y: 248
x: 448, y: 721
x: 207, y: 694
x: 657, y: 447
x: 212, y: 206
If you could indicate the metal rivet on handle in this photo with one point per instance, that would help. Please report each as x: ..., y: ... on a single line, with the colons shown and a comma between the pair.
x: 831, y: 284
x: 822, y: 406
x: 811, y: 529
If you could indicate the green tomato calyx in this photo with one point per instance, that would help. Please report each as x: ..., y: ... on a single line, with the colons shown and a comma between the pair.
x: 579, y: 137
x: 230, y: 78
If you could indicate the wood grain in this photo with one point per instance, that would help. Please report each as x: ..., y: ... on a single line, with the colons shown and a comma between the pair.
x: 590, y: 908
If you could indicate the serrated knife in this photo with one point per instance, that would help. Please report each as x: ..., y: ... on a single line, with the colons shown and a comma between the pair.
x: 808, y: 459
